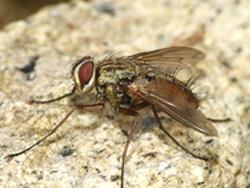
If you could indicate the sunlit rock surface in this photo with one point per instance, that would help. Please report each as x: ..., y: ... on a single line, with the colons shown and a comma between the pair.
x: 86, y: 151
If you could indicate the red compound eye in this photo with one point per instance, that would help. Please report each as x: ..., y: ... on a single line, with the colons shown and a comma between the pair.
x: 86, y: 72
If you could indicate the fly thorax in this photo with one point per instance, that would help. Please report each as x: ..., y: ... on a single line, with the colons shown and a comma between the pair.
x: 115, y: 73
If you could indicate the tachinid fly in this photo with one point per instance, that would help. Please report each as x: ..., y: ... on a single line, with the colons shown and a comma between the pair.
x: 144, y: 80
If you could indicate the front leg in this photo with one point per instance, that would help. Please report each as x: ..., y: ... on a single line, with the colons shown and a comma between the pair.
x: 53, y: 130
x: 55, y: 99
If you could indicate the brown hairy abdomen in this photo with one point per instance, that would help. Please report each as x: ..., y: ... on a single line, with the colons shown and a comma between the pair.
x: 173, y: 91
x: 178, y: 93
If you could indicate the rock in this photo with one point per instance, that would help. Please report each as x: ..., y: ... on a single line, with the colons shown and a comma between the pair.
x: 61, y: 34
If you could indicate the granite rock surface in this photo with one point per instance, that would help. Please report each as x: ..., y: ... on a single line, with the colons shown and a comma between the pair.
x: 35, y: 59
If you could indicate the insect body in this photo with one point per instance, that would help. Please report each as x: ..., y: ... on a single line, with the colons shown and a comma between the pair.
x: 130, y: 83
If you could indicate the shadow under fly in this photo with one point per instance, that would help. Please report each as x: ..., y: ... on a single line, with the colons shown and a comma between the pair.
x: 128, y: 84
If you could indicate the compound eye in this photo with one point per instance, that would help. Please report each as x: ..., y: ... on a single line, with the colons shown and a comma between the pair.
x: 86, y: 72
x: 83, y: 74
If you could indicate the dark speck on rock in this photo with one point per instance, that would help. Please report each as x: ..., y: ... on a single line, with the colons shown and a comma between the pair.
x: 200, y: 183
x: 150, y: 154
x: 114, y: 177
x: 66, y: 151
x: 218, y: 11
x: 237, y: 2
x: 30, y: 66
x: 190, y: 141
x: 98, y: 171
x: 229, y: 162
x: 233, y: 79
x: 106, y: 7
x: 238, y: 50
x: 209, y: 141
x: 38, y: 174
x: 124, y: 132
x: 53, y: 171
x: 226, y: 64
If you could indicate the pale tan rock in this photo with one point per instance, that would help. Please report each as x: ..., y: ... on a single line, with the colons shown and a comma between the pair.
x: 86, y: 151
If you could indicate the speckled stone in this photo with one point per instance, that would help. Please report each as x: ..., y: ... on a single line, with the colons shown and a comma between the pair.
x: 86, y: 151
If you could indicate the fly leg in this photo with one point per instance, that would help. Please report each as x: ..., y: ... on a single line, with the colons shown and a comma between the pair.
x: 173, y: 139
x: 220, y: 120
x: 124, y: 153
x: 131, y: 112
x: 55, y: 99
x: 11, y: 156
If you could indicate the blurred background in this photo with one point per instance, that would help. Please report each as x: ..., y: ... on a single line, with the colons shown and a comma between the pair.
x: 11, y: 10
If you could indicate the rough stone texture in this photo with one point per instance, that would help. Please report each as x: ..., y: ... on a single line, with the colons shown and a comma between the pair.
x: 86, y: 151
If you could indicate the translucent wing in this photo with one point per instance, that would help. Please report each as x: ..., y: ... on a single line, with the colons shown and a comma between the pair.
x: 168, y: 58
x: 174, y: 102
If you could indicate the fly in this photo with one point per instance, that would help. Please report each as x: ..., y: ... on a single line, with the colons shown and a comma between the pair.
x: 129, y: 84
